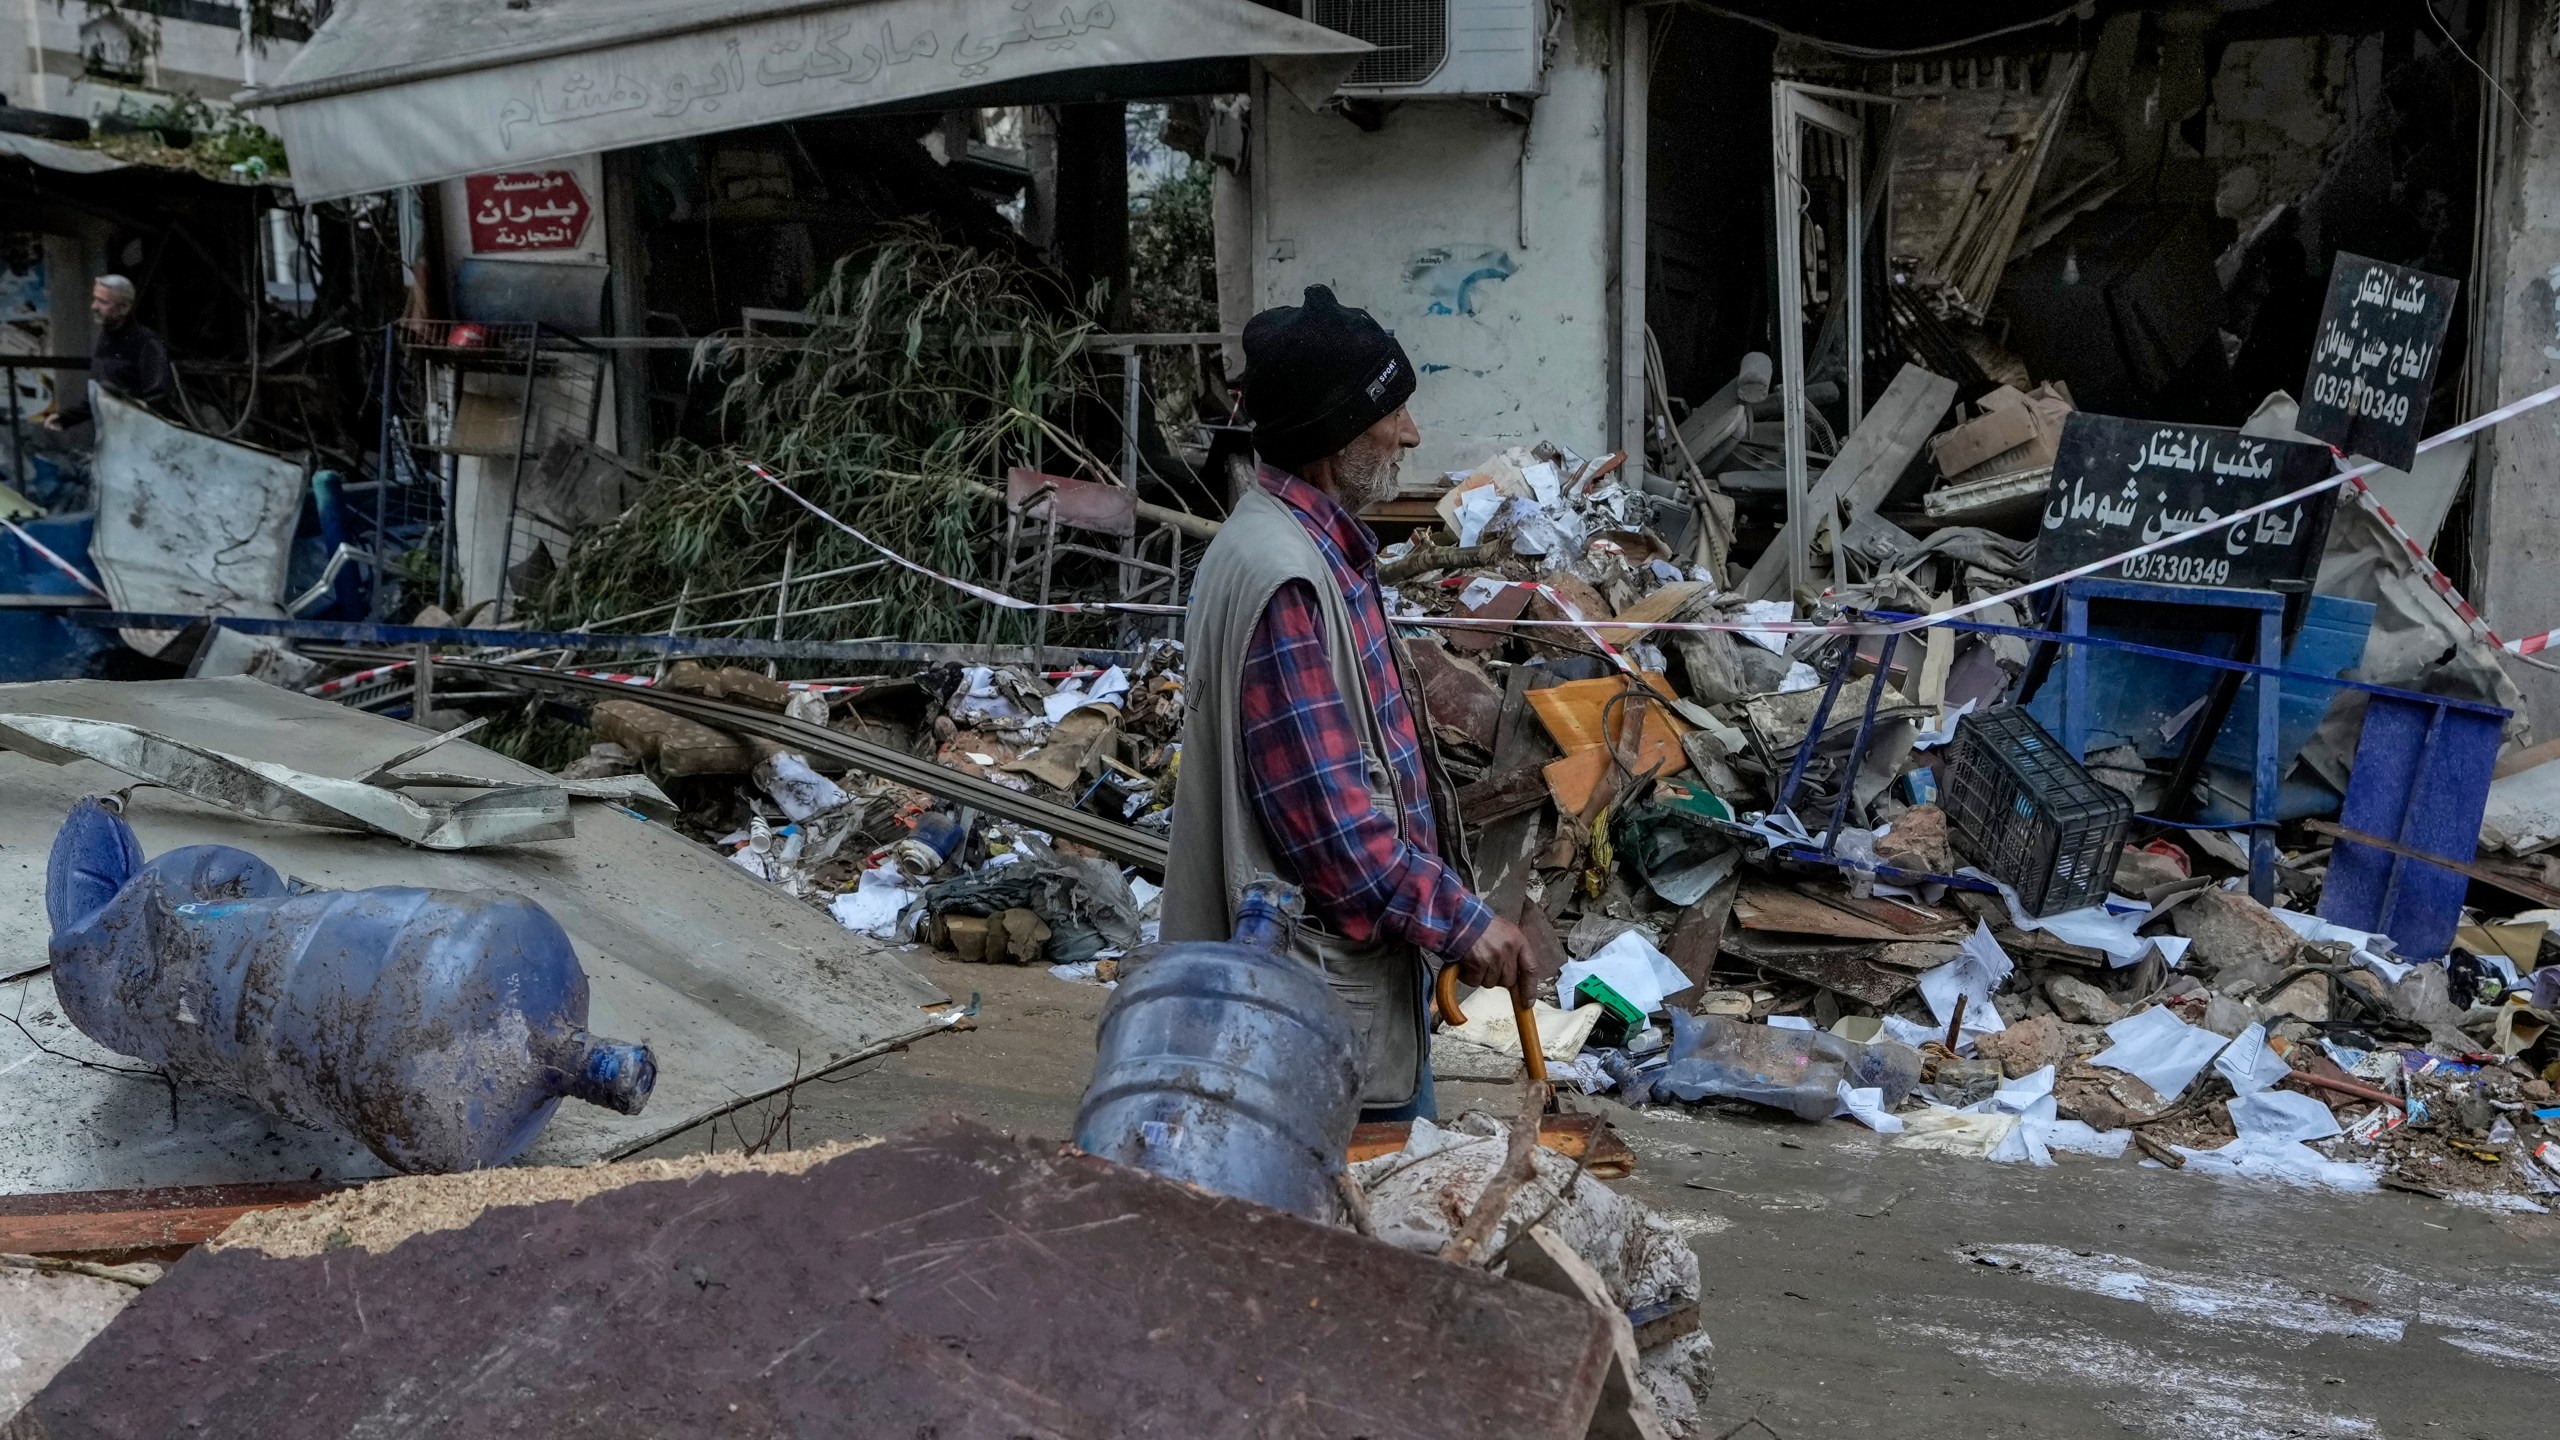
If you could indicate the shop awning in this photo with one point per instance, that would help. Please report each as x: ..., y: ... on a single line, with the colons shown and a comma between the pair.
x: 401, y: 92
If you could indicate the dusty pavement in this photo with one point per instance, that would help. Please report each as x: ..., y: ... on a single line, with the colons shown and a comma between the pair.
x: 1852, y: 1289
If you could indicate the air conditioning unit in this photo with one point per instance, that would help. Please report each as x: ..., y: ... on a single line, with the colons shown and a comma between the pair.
x: 1441, y: 47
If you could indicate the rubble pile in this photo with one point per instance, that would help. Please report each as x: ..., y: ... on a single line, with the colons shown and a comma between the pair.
x: 1757, y: 901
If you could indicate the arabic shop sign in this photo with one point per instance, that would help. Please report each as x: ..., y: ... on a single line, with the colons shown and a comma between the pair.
x: 2122, y: 483
x: 522, y: 210
x: 2374, y: 360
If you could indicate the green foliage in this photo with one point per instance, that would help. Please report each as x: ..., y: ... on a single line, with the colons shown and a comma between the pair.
x: 223, y: 137
x: 930, y: 369
x: 1173, y: 280
x: 1173, y: 266
x: 536, y: 739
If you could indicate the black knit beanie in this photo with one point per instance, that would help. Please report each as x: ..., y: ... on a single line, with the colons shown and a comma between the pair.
x: 1316, y: 374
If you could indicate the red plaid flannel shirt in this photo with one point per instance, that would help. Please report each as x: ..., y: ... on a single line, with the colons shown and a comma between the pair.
x: 1309, y: 783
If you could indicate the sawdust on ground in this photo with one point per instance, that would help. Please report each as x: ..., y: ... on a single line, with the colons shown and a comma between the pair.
x: 378, y: 1216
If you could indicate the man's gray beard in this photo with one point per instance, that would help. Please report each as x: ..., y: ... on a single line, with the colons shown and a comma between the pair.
x: 1365, y: 478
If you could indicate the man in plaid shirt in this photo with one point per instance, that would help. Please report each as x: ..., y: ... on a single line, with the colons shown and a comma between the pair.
x: 1304, y: 755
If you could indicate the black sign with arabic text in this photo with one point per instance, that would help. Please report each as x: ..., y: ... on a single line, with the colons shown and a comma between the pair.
x: 2373, y: 361
x: 2118, y: 484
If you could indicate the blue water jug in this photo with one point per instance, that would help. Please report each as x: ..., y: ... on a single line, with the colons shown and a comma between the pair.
x: 439, y: 1027
x: 1230, y: 1065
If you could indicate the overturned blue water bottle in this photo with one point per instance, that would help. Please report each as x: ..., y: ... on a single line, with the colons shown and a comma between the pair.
x: 1229, y: 1064
x: 440, y: 1028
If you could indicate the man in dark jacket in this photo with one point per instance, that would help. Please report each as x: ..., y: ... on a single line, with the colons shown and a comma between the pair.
x: 127, y: 360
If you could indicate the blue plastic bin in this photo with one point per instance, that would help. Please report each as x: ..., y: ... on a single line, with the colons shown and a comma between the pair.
x: 2421, y: 779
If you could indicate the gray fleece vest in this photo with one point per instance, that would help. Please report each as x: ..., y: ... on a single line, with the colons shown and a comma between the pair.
x: 1218, y: 842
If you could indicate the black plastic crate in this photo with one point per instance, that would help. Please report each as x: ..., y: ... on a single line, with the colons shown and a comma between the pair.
x: 2021, y: 808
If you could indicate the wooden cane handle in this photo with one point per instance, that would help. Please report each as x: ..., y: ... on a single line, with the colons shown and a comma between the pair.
x: 1532, y: 1053
x: 1444, y: 995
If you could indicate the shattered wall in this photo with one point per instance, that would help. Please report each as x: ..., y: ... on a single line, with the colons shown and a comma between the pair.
x: 1485, y: 244
x: 2278, y: 107
x: 2516, y: 522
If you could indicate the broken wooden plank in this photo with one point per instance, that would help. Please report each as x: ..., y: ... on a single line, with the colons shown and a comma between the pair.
x: 115, y: 1222
x: 1697, y: 937
x: 1870, y: 461
x: 1587, y: 1138
x: 1501, y: 794
x: 1916, y: 922
x: 1848, y: 969
x: 1763, y: 906
x: 1917, y: 954
x: 1498, y: 610
x: 2488, y: 872
x: 1662, y: 604
x: 1504, y: 851
x: 1456, y: 694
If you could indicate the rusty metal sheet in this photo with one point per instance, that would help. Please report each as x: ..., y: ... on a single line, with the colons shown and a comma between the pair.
x: 947, y: 1282
x: 1456, y: 694
x: 1081, y: 504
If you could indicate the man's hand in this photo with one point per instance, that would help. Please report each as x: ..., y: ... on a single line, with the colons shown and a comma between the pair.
x: 1500, y: 957
x: 53, y: 421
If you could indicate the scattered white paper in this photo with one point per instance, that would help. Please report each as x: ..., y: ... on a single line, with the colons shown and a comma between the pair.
x: 872, y: 907
x: 2159, y: 1049
x: 1629, y: 965
x: 2170, y: 727
x: 1980, y: 968
x: 2030, y: 1098
x: 1561, y: 1034
x: 799, y: 790
x: 2172, y: 948
x: 1146, y: 892
x: 2281, y: 1115
x: 1108, y: 688
x: 1083, y: 972
x: 2259, y: 1157
x: 981, y: 698
x: 1480, y: 592
x: 1866, y: 1106
x: 1945, y: 729
x: 1790, y: 1022
x: 2373, y: 952
x: 2094, y: 926
x: 1800, y: 676
x: 1766, y: 612
x: 2248, y: 1064
x: 1584, y: 1073
x: 1911, y: 1032
x: 1956, y: 1132
x: 2081, y: 1138
x: 1545, y: 482
x: 1475, y: 508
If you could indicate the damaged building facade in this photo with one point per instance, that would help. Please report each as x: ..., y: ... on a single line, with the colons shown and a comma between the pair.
x: 1971, y: 576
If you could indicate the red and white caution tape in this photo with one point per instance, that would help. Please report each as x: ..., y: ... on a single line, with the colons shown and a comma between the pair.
x: 2350, y: 477
x: 58, y: 563
x: 348, y: 682
x: 993, y: 597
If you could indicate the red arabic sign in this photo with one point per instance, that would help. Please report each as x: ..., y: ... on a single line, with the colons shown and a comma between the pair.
x: 520, y: 210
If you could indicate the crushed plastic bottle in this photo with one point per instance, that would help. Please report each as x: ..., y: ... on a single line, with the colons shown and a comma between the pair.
x: 440, y: 1028
x: 1798, y: 1071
